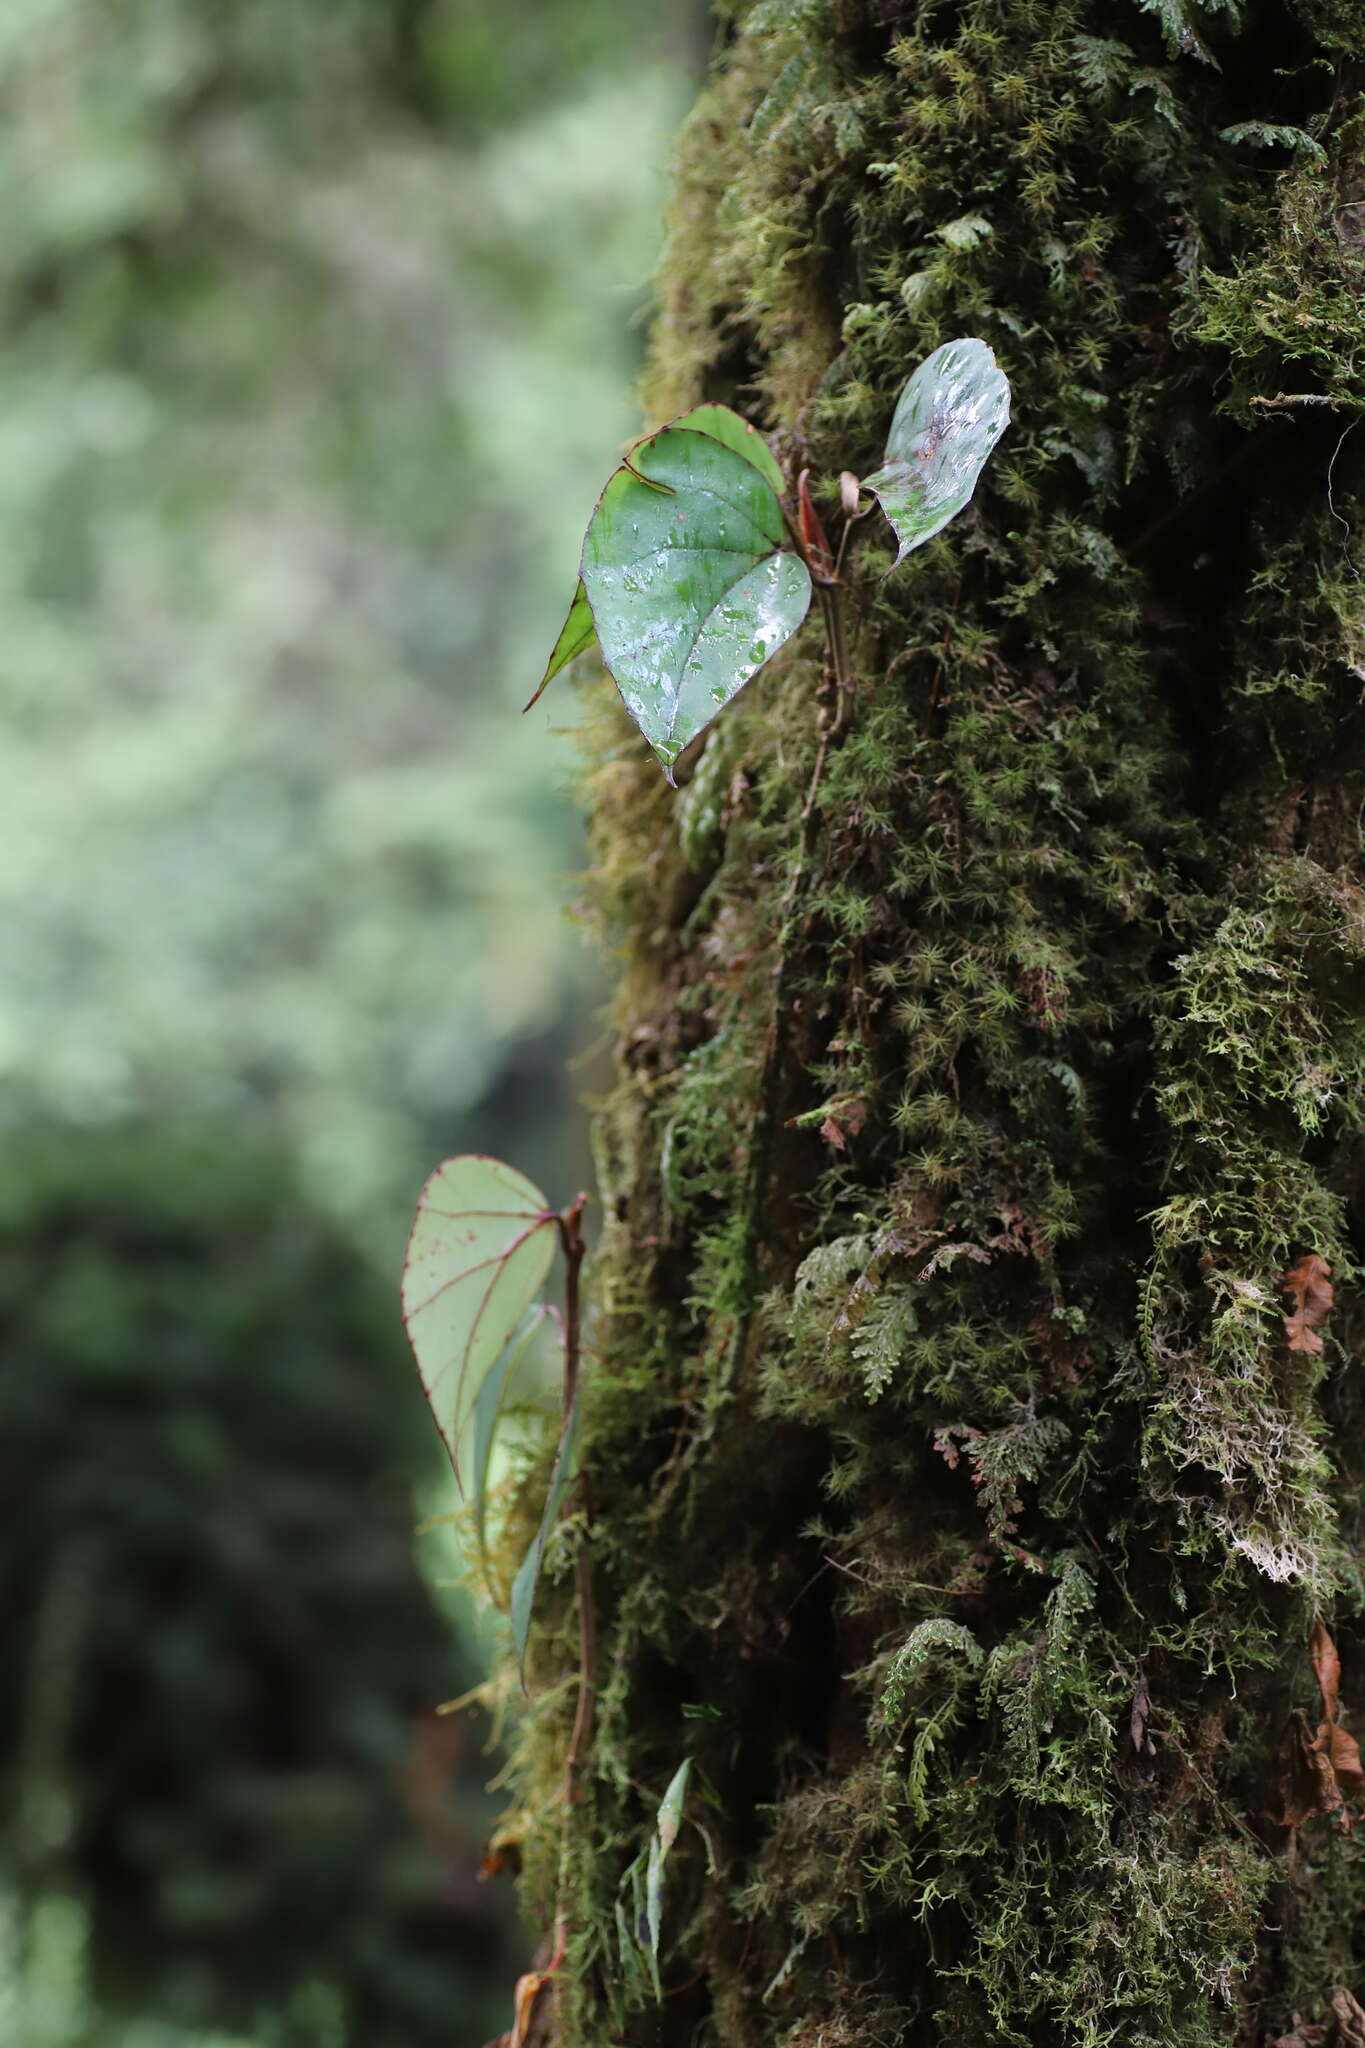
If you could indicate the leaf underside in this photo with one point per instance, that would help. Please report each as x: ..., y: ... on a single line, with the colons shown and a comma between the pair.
x: 480, y: 1248
x: 691, y: 587
x: 948, y: 419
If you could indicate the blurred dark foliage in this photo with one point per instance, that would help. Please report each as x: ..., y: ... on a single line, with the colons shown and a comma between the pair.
x: 285, y: 287
x: 216, y: 1697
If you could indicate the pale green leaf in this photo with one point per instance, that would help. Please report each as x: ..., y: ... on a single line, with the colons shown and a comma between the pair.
x: 949, y: 417
x: 639, y: 1904
x: 691, y: 585
x: 671, y: 1806
x: 628, y: 1948
x: 528, y: 1576
x: 966, y: 232
x: 654, y: 1907
x: 477, y: 1256
x: 576, y: 635
x: 668, y: 1821
x: 488, y: 1407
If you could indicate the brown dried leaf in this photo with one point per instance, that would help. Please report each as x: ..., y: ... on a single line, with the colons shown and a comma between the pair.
x: 814, y: 539
x: 1350, y: 2018
x: 1139, y: 1719
x: 1305, y: 1782
x: 945, y: 1443
x: 1302, y: 2034
x: 526, y: 1997
x: 1308, y: 1285
x: 1320, y: 1775
x: 1343, y: 1753
x: 528, y: 1991
x: 1327, y: 1665
x: 844, y: 1121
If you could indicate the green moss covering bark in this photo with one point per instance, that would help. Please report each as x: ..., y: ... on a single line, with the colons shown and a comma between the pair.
x: 961, y: 1506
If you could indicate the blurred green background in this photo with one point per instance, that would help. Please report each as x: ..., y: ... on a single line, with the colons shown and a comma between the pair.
x: 320, y: 320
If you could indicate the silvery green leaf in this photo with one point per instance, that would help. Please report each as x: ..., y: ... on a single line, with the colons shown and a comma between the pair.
x: 480, y: 1247
x: 689, y: 576
x: 948, y: 419
x: 527, y: 1578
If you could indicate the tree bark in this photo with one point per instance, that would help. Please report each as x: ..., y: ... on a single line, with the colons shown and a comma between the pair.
x: 972, y: 1502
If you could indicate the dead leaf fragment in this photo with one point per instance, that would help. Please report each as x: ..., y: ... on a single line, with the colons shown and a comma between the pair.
x: 496, y: 1860
x: 1320, y: 1775
x: 525, y: 1999
x: 1350, y: 2018
x: 814, y: 539
x: 1140, y: 1720
x: 1327, y: 1669
x: 1309, y: 1286
x: 1302, y: 2034
x: 844, y: 1121
x: 1345, y: 2029
x: 528, y: 1991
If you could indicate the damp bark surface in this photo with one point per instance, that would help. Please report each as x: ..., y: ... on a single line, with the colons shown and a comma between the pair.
x: 971, y: 1501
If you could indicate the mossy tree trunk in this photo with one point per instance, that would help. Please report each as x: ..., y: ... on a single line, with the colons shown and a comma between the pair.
x: 964, y: 1504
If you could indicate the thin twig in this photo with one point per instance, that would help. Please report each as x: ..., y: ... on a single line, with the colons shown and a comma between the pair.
x: 1283, y: 399
x: 571, y: 1242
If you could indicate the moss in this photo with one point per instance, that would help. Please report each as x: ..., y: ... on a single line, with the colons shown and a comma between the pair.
x: 960, y: 1506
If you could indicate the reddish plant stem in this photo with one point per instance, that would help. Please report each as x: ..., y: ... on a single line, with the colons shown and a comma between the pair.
x: 571, y: 1242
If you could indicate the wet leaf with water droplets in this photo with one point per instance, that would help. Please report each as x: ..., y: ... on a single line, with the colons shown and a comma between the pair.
x: 948, y: 419
x: 575, y: 637
x: 685, y: 566
x: 724, y: 425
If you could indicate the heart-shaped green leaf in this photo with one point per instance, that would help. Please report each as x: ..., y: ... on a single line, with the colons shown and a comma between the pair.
x: 724, y: 425
x: 948, y: 418
x: 524, y: 1584
x: 689, y: 580
x: 481, y: 1245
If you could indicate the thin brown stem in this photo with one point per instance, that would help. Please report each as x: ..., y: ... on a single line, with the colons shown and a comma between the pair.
x: 573, y: 1248
x: 1283, y: 399
x: 853, y: 519
x: 571, y: 1242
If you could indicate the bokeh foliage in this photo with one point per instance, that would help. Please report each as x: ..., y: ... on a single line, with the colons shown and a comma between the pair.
x: 284, y: 283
